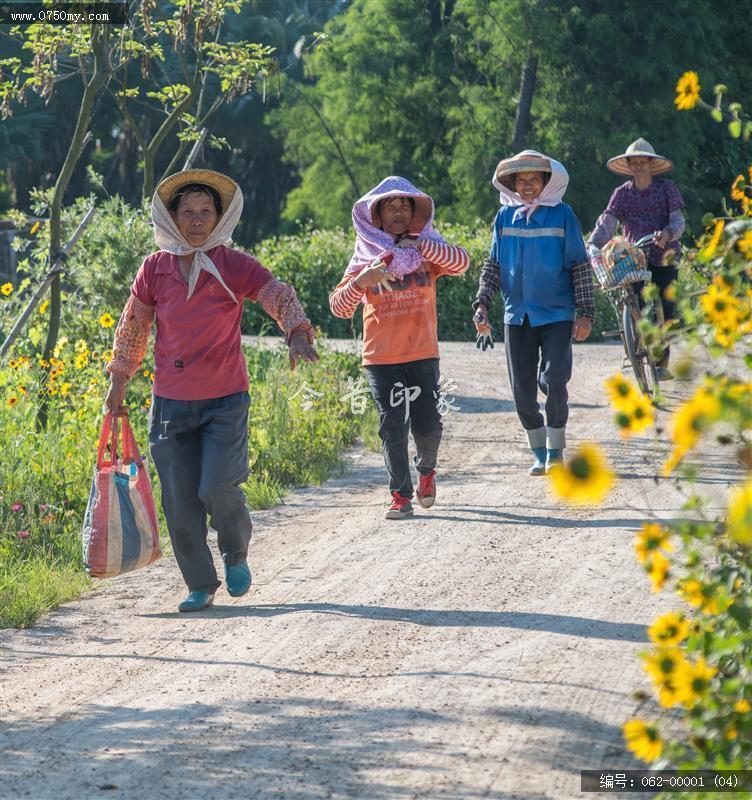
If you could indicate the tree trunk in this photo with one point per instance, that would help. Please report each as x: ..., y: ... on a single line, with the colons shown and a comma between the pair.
x: 92, y: 89
x: 527, y: 90
x: 150, y: 151
x: 330, y: 133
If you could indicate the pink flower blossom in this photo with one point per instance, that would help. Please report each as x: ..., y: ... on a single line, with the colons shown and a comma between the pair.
x: 43, y: 506
x: 17, y: 507
x: 23, y: 534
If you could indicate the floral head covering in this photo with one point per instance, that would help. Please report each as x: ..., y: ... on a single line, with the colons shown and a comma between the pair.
x: 371, y: 241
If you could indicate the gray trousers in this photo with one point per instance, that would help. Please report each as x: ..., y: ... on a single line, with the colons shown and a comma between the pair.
x: 200, y: 451
x: 540, y: 358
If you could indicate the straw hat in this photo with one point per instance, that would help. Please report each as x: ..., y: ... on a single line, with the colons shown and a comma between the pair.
x: 522, y: 162
x: 224, y: 185
x: 640, y: 147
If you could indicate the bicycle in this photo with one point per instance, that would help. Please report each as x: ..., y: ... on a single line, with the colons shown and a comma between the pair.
x: 617, y: 273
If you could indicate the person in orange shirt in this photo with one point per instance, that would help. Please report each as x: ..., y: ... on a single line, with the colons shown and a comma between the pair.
x: 392, y: 274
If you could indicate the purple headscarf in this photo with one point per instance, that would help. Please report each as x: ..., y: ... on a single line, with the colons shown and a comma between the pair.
x: 371, y: 241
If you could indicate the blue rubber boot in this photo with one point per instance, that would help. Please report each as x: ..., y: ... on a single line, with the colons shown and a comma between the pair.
x: 539, y: 465
x: 238, y: 579
x: 553, y: 457
x: 196, y: 601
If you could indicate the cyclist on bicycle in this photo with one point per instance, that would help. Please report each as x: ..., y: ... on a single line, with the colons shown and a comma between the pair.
x: 643, y: 205
x: 538, y: 261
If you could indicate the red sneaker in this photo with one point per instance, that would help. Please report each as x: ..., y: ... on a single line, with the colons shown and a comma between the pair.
x: 400, y: 508
x: 426, y: 492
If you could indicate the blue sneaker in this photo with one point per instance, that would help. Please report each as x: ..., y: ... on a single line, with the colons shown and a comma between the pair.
x: 238, y: 579
x: 196, y: 601
x: 553, y: 457
x: 539, y: 465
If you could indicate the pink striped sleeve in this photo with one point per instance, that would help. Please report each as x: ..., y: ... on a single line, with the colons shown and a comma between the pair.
x: 344, y: 300
x: 449, y: 258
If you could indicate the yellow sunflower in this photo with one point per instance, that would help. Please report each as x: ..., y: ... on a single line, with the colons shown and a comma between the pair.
x: 687, y: 91
x: 622, y: 393
x: 658, y: 570
x: 637, y: 419
x: 741, y: 191
x: 690, y: 420
x: 701, y: 596
x: 670, y: 628
x: 708, y: 251
x: 739, y: 523
x: 586, y: 478
x: 742, y: 707
x: 719, y: 305
x: 7, y: 289
x: 106, y: 320
x: 663, y: 663
x: 693, y: 680
x: 650, y: 538
x: 643, y: 739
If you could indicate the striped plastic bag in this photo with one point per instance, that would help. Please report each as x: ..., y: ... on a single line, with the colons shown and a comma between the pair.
x: 120, y: 531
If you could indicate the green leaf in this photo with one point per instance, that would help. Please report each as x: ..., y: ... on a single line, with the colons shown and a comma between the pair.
x: 730, y: 644
x: 742, y: 614
x: 735, y: 128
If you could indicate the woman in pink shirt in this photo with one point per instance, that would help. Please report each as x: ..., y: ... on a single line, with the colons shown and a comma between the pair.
x: 194, y: 288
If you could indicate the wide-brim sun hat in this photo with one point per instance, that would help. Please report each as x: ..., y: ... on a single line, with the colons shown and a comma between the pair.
x: 640, y: 147
x: 507, y: 168
x: 223, y: 184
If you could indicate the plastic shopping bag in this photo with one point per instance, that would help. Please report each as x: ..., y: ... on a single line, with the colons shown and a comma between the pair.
x: 120, y: 526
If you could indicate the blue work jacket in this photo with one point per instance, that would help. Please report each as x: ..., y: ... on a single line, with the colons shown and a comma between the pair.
x: 535, y: 260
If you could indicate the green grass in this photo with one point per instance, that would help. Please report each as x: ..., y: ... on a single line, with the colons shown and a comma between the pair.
x: 45, y: 477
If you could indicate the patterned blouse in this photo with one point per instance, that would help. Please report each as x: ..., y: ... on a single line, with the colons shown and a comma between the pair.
x: 643, y: 212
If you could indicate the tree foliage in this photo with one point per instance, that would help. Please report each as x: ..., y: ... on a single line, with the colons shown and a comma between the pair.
x: 437, y: 101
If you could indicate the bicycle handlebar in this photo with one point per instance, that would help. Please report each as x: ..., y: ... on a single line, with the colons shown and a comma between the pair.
x: 646, y: 240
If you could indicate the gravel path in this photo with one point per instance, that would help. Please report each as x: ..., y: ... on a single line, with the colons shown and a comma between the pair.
x: 484, y: 649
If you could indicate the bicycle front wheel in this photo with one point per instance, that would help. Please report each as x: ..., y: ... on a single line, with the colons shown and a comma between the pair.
x: 639, y: 356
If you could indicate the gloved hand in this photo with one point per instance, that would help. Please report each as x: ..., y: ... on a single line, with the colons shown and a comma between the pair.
x: 485, y: 338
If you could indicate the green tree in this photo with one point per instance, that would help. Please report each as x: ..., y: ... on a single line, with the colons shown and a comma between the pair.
x: 440, y: 92
x: 376, y: 106
x: 101, y: 53
x: 202, y: 74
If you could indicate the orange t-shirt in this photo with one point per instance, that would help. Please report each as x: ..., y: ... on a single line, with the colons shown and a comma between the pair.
x: 400, y: 325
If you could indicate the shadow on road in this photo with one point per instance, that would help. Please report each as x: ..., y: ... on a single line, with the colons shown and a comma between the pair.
x: 552, y: 623
x: 288, y: 747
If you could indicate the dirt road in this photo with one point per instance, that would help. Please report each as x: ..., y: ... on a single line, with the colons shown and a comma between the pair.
x: 484, y: 649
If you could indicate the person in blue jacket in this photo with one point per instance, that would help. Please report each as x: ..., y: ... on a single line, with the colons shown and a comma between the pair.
x: 539, y: 263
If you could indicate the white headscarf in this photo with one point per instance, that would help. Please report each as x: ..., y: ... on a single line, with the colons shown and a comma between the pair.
x: 552, y: 193
x: 170, y: 239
